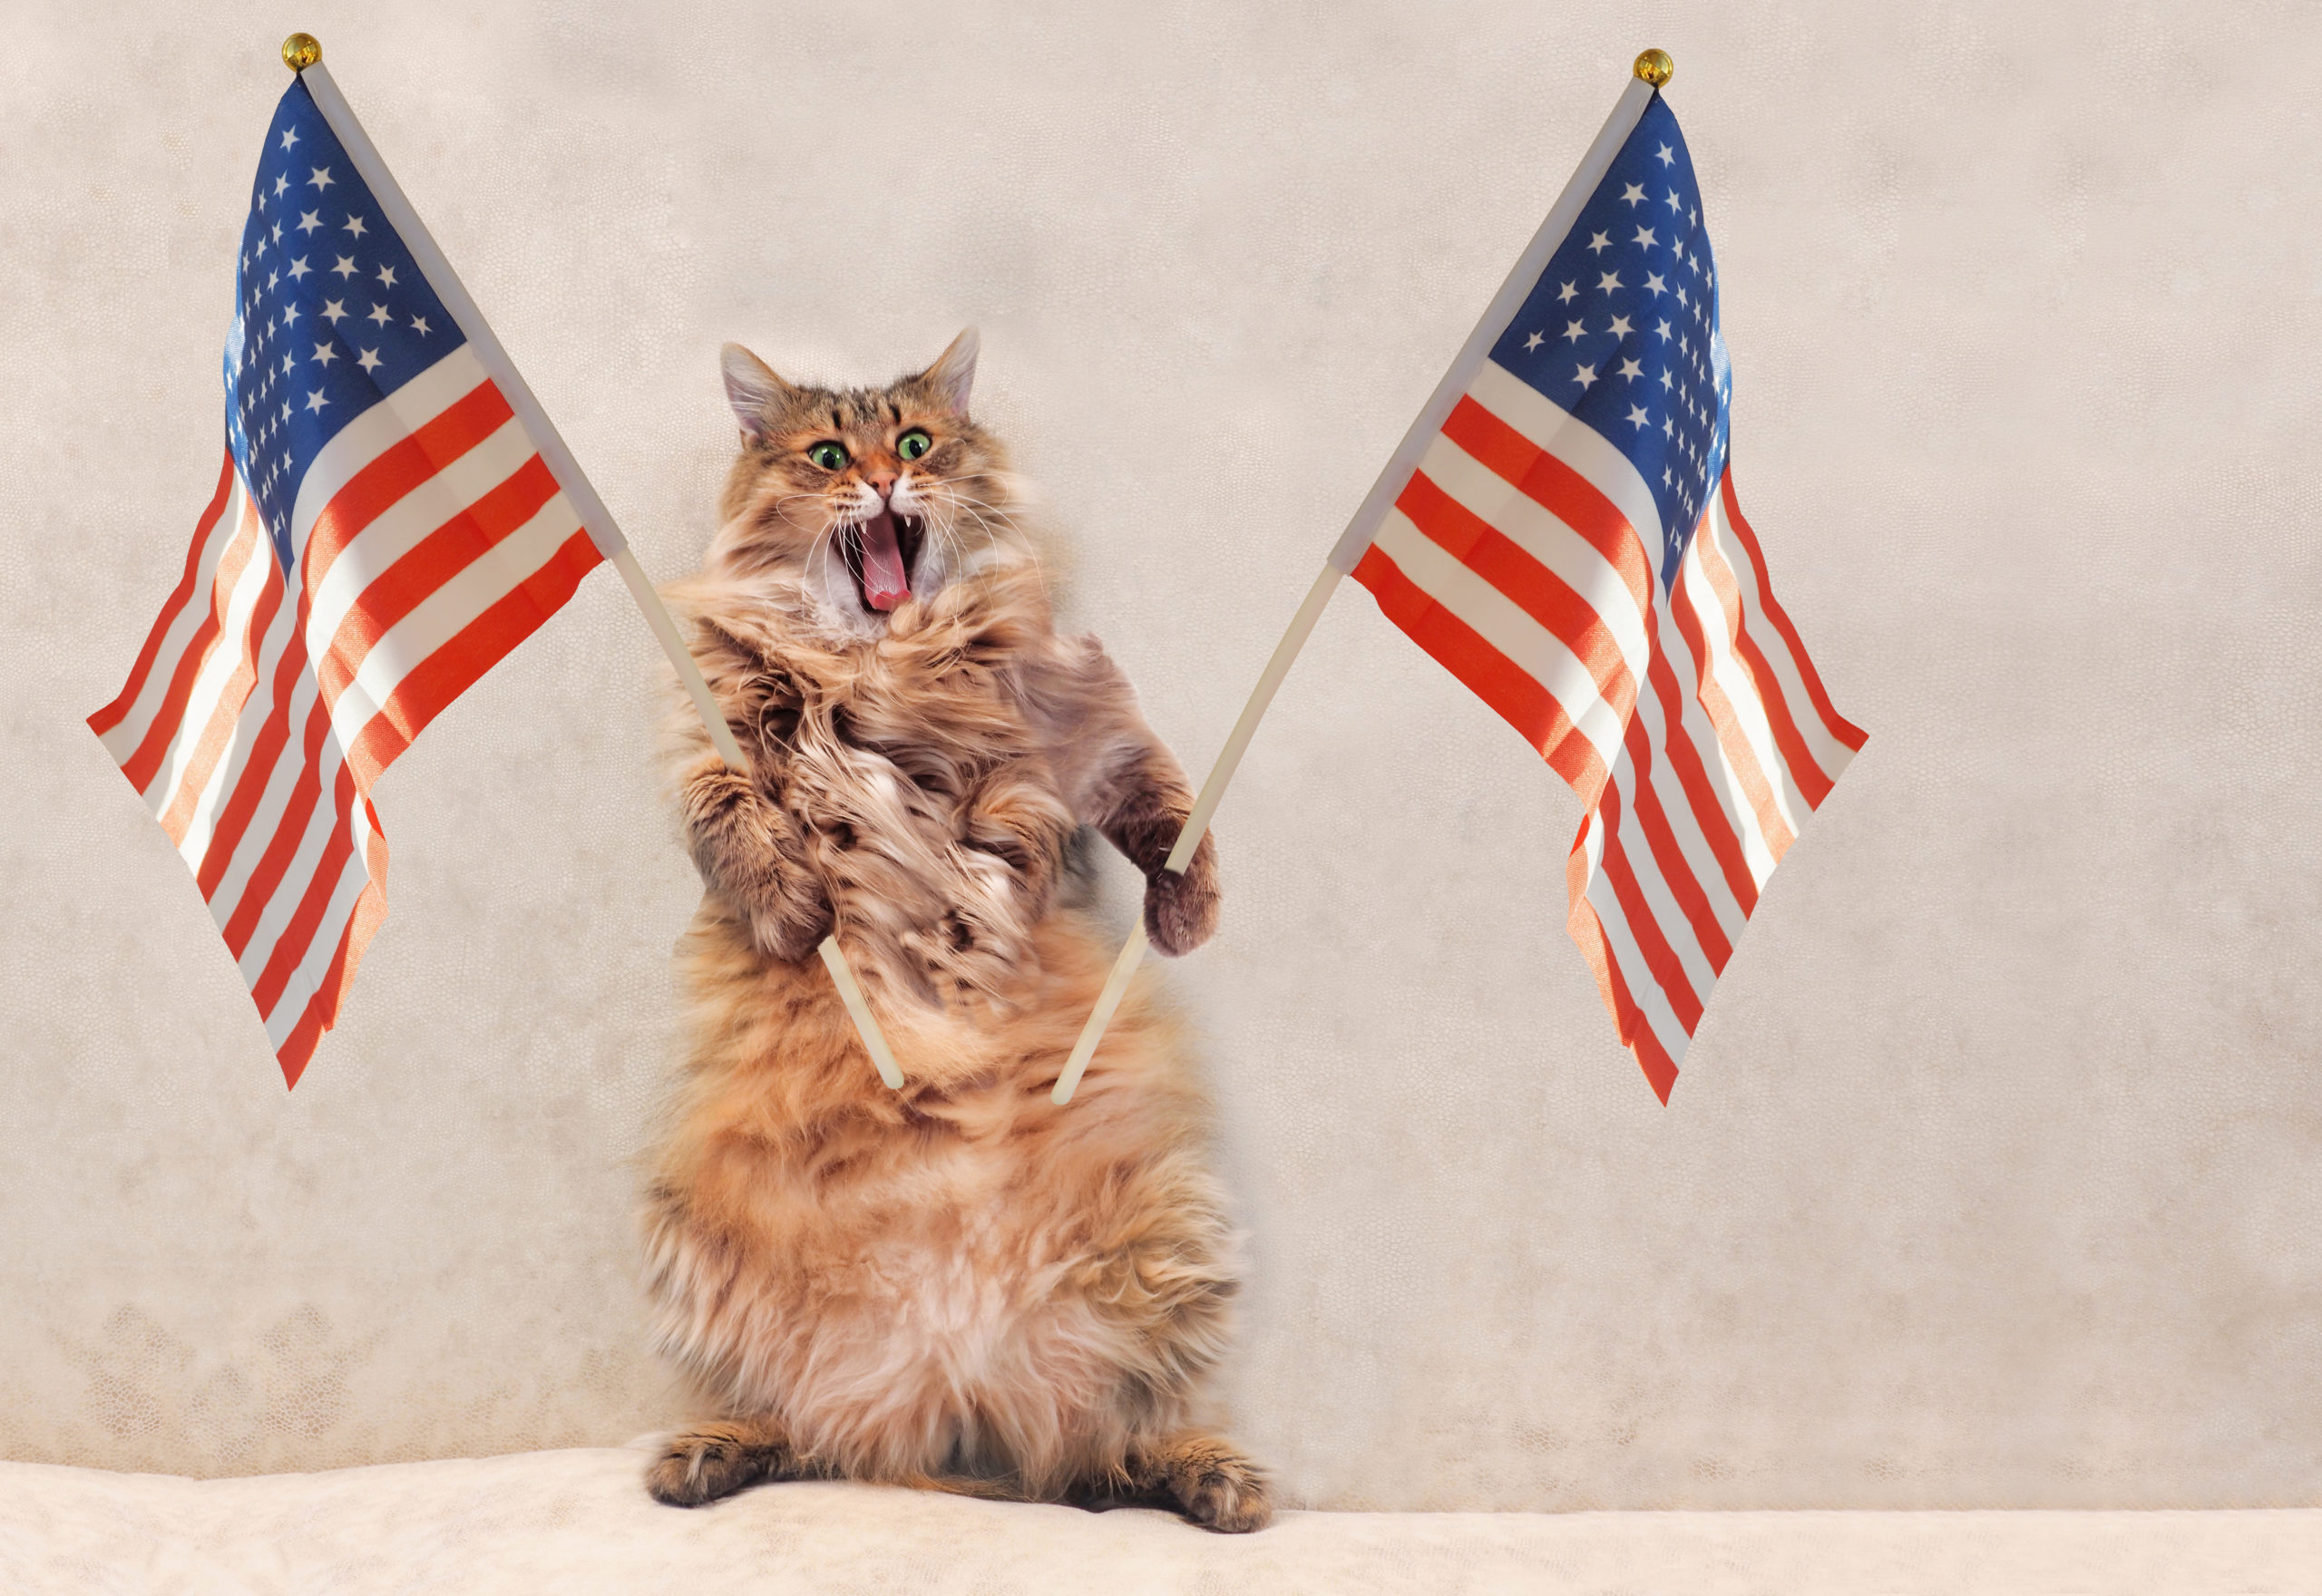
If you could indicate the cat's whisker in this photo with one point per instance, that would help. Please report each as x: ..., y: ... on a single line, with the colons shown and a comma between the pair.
x: 974, y: 510
x: 999, y: 511
x: 948, y: 528
x: 979, y: 507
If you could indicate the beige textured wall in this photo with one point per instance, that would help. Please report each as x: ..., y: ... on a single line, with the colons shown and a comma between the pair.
x: 1993, y: 1176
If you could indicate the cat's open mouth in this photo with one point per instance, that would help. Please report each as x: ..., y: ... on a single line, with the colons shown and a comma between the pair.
x: 879, y: 555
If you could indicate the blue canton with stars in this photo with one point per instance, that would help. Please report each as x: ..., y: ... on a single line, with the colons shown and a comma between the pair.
x: 331, y: 314
x: 1621, y: 330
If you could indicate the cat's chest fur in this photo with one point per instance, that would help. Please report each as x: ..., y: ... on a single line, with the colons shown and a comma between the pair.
x: 903, y: 745
x: 930, y: 796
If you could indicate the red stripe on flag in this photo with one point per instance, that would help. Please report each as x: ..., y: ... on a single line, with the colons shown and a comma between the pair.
x: 115, y: 713
x: 1701, y: 797
x: 258, y: 768
x: 422, y: 694
x: 1842, y: 729
x: 1644, y: 927
x: 298, y: 934
x: 1534, y: 589
x: 298, y: 1049
x: 1739, y: 754
x: 218, y: 733
x: 1557, y: 488
x: 1805, y: 772
x: 322, y: 1009
x: 1517, y: 697
x: 140, y: 766
x: 1587, y: 933
x: 1652, y: 1058
x: 431, y: 685
x: 288, y: 831
x: 428, y: 565
x: 1676, y: 870
x: 405, y: 465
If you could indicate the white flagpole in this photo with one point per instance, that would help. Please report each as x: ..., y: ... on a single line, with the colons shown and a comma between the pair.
x: 302, y: 54
x: 1213, y: 791
x: 1652, y: 69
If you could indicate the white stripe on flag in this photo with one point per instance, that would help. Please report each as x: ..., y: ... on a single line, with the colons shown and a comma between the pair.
x: 411, y: 519
x: 1501, y: 622
x: 1661, y: 900
x: 1579, y: 446
x: 121, y: 742
x: 1759, y: 847
x: 1532, y: 527
x: 255, y: 560
x: 353, y: 877
x: 1686, y: 824
x: 281, y: 782
x: 1829, y: 755
x: 374, y: 431
x: 1619, y: 941
x: 447, y: 611
x: 201, y: 824
x: 1750, y: 711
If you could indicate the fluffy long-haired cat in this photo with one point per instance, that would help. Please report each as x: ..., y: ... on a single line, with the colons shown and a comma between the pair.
x: 957, y: 1284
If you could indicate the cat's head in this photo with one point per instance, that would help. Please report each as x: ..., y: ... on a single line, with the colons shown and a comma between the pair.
x: 871, y: 498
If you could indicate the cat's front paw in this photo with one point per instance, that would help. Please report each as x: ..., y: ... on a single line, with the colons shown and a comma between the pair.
x: 1181, y: 910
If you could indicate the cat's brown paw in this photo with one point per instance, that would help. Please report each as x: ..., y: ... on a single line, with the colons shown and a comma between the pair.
x: 1181, y: 910
x: 752, y: 855
x: 1214, y: 1486
x: 717, y: 1460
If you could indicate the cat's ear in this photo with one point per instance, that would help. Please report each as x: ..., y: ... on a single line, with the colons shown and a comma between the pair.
x: 751, y: 389
x: 954, y: 371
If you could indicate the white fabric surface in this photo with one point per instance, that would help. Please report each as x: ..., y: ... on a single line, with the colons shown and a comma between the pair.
x: 578, y: 1520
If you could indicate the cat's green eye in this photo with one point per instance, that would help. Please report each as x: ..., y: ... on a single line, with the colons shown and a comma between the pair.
x: 913, y: 444
x: 829, y: 456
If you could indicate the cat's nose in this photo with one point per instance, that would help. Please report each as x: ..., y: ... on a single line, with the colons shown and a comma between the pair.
x: 883, y: 482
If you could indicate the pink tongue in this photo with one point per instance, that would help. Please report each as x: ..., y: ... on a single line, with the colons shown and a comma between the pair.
x: 883, y: 582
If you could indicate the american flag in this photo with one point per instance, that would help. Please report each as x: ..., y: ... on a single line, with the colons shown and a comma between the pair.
x: 384, y: 530
x: 1570, y: 547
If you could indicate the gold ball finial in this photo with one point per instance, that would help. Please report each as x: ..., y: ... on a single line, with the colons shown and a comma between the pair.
x: 301, y: 50
x: 1653, y: 66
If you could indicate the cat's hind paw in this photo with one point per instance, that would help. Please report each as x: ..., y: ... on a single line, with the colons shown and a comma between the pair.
x: 715, y: 1460
x: 1214, y: 1486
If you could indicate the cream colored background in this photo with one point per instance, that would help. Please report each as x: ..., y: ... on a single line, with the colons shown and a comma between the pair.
x: 1992, y: 1178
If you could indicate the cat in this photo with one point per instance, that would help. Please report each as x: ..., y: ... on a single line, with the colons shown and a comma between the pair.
x: 960, y: 1285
